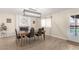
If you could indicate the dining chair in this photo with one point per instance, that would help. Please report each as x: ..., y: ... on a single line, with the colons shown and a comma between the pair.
x: 18, y: 37
x: 31, y: 34
x: 39, y: 33
x: 43, y: 32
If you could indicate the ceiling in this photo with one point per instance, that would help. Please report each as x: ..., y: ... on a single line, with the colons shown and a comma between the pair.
x: 48, y: 11
x: 43, y: 11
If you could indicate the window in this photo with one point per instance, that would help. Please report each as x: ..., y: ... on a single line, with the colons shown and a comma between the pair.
x: 46, y: 22
x: 43, y: 22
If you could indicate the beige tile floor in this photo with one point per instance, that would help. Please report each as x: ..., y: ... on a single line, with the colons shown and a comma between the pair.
x: 51, y: 43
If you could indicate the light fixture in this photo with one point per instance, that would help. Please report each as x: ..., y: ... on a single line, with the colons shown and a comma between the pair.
x: 31, y: 13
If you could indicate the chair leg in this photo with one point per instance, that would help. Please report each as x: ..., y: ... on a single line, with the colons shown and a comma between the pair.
x: 21, y: 42
x: 38, y: 37
x: 24, y: 41
x: 17, y: 40
x: 41, y: 37
x: 29, y: 40
x: 44, y: 36
x: 34, y: 37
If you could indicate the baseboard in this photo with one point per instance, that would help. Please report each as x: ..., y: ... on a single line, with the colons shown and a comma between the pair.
x: 7, y: 35
x: 58, y: 37
x: 64, y: 38
x: 47, y: 35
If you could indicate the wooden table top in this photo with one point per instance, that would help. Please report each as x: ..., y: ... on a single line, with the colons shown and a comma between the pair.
x: 22, y: 33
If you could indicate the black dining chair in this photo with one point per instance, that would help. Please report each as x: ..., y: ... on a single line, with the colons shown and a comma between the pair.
x: 43, y: 32
x: 39, y: 33
x: 17, y: 37
x: 31, y: 34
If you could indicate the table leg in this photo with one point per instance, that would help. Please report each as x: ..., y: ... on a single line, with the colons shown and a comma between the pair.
x: 44, y: 36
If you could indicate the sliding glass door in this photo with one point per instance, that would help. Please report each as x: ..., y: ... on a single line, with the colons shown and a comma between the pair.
x: 74, y: 28
x: 77, y: 28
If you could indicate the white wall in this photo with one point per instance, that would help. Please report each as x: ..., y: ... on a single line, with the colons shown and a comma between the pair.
x: 60, y: 24
x: 10, y: 26
x: 37, y: 23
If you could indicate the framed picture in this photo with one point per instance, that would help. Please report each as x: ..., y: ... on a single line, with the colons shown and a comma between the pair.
x: 33, y: 22
x: 8, y: 20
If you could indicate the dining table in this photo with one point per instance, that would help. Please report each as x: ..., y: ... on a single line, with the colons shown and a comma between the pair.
x: 23, y: 35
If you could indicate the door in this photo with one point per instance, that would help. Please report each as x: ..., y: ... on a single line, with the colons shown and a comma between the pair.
x: 74, y: 28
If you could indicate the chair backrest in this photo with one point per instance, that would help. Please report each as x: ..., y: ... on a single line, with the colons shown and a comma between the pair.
x: 32, y: 32
x: 43, y: 31
x: 17, y: 36
x: 24, y: 29
x: 40, y: 31
x: 42, y: 28
x: 16, y: 32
